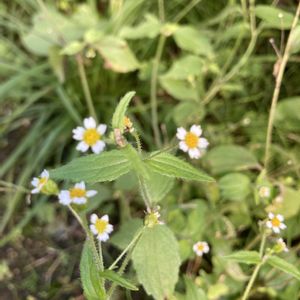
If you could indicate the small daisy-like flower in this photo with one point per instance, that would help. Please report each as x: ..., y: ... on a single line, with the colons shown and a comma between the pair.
x: 200, y: 248
x: 191, y: 141
x: 281, y: 245
x: 90, y: 136
x: 275, y: 222
x: 264, y: 192
x: 152, y: 217
x: 128, y: 125
x: 39, y: 182
x: 77, y: 194
x: 101, y: 227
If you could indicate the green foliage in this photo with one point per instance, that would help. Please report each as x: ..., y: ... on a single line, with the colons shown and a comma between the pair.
x: 90, y: 276
x: 156, y: 261
x: 245, y: 257
x: 118, y: 279
x: 284, y: 266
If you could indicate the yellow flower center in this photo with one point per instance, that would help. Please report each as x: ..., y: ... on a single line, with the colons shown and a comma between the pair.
x: 191, y: 140
x: 200, y: 247
x: 77, y: 193
x: 42, y: 181
x: 275, y: 222
x: 101, y: 225
x: 127, y: 122
x: 91, y: 136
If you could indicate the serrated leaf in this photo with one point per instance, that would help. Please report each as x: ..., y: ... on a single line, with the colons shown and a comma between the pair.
x: 150, y: 28
x: 190, y: 39
x: 245, y: 257
x: 270, y: 15
x: 169, y: 165
x: 119, y: 114
x: 118, y: 279
x: 226, y: 158
x: 117, y: 54
x: 284, y: 266
x: 156, y: 261
x: 93, y: 168
x: 90, y: 277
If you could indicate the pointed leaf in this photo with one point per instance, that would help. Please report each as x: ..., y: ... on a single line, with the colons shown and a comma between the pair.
x: 284, y: 266
x: 169, y: 165
x: 118, y: 279
x: 245, y: 257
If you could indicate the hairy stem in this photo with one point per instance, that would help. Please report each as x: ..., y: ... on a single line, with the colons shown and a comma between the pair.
x: 85, y: 87
x: 276, y: 92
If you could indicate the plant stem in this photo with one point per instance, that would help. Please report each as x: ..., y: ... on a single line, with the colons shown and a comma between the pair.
x: 276, y: 92
x: 161, y: 10
x: 262, y: 245
x: 185, y: 10
x: 85, y: 87
x: 138, y: 141
x: 153, y: 89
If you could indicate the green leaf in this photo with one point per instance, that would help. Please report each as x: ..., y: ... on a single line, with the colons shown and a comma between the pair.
x: 117, y: 55
x: 119, y: 114
x: 126, y: 233
x: 93, y: 168
x: 169, y: 165
x: 284, y: 266
x: 235, y: 186
x: 90, y: 277
x: 150, y: 28
x: 270, y: 15
x: 190, y: 39
x: 287, y: 115
x: 193, y: 292
x: 72, y: 48
x: 56, y: 62
x: 156, y: 261
x: 245, y: 257
x: 118, y: 279
x: 227, y: 158
x: 295, y: 40
x: 188, y: 112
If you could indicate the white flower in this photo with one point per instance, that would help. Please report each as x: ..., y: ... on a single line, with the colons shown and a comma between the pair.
x: 90, y: 136
x: 77, y: 194
x: 275, y: 222
x: 264, y: 192
x: 200, y: 248
x: 282, y: 245
x: 38, y: 183
x: 101, y: 227
x: 191, y: 141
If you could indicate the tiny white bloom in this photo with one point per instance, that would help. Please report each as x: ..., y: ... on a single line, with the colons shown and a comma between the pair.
x: 191, y: 141
x: 275, y: 222
x: 200, y: 248
x: 282, y: 245
x: 264, y: 192
x: 39, y: 182
x: 77, y: 194
x: 90, y: 136
x: 100, y: 227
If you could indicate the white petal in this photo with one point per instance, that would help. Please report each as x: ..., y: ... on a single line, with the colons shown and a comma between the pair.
x: 181, y: 133
x: 270, y: 215
x: 206, y: 248
x: 64, y: 197
x: 101, y: 128
x: 93, y: 218
x: 78, y: 133
x: 105, y: 218
x: 45, y: 174
x: 269, y: 224
x: 79, y: 200
x: 199, y: 253
x: 109, y: 228
x: 35, y: 191
x: 103, y: 237
x: 98, y: 147
x: 194, y: 153
x: 203, y: 143
x: 89, y: 123
x: 195, y: 247
x: 35, y: 182
x: 82, y: 146
x: 276, y: 229
x: 93, y: 229
x: 80, y: 185
x: 280, y: 218
x: 282, y: 226
x: 196, y: 129
x: 91, y: 193
x: 183, y: 146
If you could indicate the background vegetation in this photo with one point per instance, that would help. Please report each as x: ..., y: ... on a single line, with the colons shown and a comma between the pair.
x: 190, y: 62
